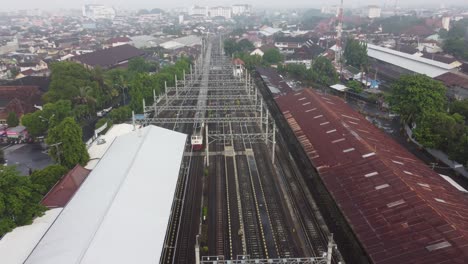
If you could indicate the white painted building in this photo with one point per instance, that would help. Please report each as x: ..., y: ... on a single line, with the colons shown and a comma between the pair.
x: 98, y: 12
x: 238, y: 10
x: 222, y: 11
x: 373, y: 11
x: 334, y: 9
x: 199, y: 10
x: 10, y: 46
x: 446, y: 23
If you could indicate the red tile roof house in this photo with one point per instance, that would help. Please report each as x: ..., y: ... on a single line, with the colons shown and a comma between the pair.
x: 18, y: 99
x: 65, y: 188
x: 397, y: 207
x: 109, y: 58
x: 118, y: 41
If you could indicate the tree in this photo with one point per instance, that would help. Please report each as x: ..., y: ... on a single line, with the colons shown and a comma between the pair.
x: 438, y: 130
x: 297, y: 71
x: 355, y: 53
x: 48, y: 176
x: 250, y: 61
x: 456, y: 42
x: 19, y: 200
x: 140, y: 65
x: 245, y: 45
x: 12, y: 120
x: 355, y: 86
x: 66, y: 80
x: 51, y: 114
x: 70, y: 148
x: 398, y: 24
x: 121, y: 114
x: 323, y: 72
x: 230, y: 47
x: 415, y: 96
x: 272, y: 56
x: 460, y: 107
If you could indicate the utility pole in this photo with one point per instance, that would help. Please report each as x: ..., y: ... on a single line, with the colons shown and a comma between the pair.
x: 339, y: 32
x: 56, y: 145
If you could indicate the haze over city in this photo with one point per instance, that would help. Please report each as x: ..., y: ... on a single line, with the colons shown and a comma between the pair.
x: 221, y: 132
x: 138, y: 4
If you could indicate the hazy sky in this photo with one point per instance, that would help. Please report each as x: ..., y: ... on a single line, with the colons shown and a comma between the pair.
x: 137, y: 4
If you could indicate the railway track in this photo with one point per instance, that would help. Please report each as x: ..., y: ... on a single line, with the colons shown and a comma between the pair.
x: 191, y: 214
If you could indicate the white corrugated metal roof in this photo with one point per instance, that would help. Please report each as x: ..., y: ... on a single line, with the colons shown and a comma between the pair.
x: 339, y: 87
x: 410, y: 62
x: 96, y: 151
x: 120, y: 213
x: 188, y: 41
x: 16, y: 246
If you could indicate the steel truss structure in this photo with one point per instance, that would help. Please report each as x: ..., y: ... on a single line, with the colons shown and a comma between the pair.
x: 231, y: 97
x: 248, y: 260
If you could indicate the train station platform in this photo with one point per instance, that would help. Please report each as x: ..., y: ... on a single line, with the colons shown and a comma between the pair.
x: 122, y: 210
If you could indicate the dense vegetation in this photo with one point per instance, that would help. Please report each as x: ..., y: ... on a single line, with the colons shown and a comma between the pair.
x: 75, y: 95
x: 421, y: 102
x: 321, y: 72
x: 456, y: 41
x: 355, y: 53
x: 398, y: 24
x: 244, y: 47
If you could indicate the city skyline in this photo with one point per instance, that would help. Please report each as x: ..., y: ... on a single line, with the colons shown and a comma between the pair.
x: 145, y: 4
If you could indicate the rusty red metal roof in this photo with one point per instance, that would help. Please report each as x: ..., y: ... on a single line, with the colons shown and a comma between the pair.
x: 454, y: 79
x: 64, y: 190
x: 400, y: 210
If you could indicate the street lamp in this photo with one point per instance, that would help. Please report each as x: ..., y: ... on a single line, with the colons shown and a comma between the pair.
x: 45, y: 119
x: 58, y: 151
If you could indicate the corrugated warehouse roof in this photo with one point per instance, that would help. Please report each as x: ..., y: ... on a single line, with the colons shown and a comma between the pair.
x: 121, y: 212
x: 410, y: 62
x: 400, y: 210
x: 274, y: 81
x: 99, y: 147
x: 111, y: 57
x: 187, y: 41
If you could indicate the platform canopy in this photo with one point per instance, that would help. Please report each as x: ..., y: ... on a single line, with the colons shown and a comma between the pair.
x: 121, y: 212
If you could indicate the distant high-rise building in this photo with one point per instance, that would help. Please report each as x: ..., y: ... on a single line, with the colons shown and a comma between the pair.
x: 446, y: 23
x: 98, y: 12
x: 199, y: 11
x: 238, y: 10
x: 373, y: 11
x: 334, y: 10
x: 221, y: 11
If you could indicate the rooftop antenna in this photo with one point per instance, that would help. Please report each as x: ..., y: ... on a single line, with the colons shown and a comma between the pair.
x: 339, y: 42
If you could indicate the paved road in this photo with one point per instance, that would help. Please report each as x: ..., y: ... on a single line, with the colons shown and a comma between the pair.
x: 26, y: 156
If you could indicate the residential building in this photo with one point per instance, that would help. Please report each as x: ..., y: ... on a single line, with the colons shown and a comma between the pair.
x: 9, y: 46
x: 18, y: 99
x: 373, y: 11
x: 446, y: 23
x: 118, y: 41
x: 333, y: 10
x: 35, y: 66
x: 220, y: 11
x: 289, y: 44
x: 199, y: 11
x: 98, y: 12
x: 238, y: 10
x: 109, y: 58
